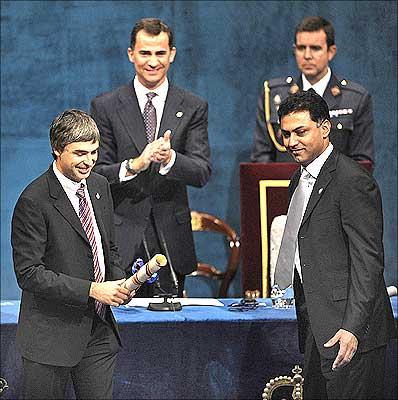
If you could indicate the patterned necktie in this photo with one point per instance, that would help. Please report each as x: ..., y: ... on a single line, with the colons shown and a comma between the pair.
x: 88, y: 226
x: 285, y: 262
x: 149, y: 116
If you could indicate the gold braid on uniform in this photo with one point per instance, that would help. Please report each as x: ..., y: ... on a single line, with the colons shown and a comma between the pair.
x: 267, y: 110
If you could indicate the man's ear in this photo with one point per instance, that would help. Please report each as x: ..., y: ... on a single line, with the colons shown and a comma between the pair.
x: 332, y: 52
x: 173, y: 52
x: 326, y: 126
x: 130, y: 54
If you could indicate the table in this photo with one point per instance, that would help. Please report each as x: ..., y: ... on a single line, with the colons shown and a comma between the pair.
x: 200, y: 352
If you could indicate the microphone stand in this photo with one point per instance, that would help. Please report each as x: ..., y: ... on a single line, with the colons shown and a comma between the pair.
x: 166, y: 305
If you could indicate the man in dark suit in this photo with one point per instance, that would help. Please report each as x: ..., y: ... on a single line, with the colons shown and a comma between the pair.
x: 350, y: 104
x: 343, y: 310
x: 67, y: 266
x: 153, y: 145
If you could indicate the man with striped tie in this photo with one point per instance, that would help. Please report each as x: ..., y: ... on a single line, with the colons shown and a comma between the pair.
x: 67, y: 266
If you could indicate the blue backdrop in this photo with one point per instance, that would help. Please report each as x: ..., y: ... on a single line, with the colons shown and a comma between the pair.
x: 59, y: 54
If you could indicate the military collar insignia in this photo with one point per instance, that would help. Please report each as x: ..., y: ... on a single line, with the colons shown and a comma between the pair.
x: 335, y: 90
x: 294, y: 88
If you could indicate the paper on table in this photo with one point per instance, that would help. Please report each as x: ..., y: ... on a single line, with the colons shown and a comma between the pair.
x: 144, y: 302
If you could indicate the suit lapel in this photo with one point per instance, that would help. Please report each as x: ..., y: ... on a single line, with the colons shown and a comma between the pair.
x: 130, y: 114
x: 333, y: 100
x: 62, y: 203
x: 323, y: 180
x: 173, y: 111
x: 97, y: 198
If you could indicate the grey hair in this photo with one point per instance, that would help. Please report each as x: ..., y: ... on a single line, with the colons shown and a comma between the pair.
x: 72, y: 126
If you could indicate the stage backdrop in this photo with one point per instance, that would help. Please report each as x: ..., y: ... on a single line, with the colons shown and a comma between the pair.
x: 60, y: 54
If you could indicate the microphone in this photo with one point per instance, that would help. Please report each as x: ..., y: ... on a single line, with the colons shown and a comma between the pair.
x: 166, y: 305
x: 172, y: 272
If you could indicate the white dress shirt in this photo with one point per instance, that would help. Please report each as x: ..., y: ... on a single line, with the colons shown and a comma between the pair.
x: 70, y: 187
x: 320, y: 86
x: 158, y: 102
x: 312, y: 170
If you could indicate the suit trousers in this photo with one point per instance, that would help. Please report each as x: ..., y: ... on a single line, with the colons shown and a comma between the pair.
x: 362, y: 378
x: 164, y: 285
x: 92, y: 377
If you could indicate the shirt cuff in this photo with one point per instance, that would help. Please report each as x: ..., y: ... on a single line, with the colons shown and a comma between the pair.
x: 123, y: 172
x: 165, y: 169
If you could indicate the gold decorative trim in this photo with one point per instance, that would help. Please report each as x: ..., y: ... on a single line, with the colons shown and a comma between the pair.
x: 267, y: 110
x: 264, y: 185
x: 297, y: 382
x: 196, y: 222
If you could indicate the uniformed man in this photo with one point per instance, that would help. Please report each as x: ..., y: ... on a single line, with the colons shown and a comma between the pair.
x: 349, y: 103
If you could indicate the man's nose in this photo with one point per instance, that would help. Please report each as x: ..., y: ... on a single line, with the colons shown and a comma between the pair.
x: 153, y: 61
x: 307, y: 53
x: 292, y: 141
x: 90, y: 159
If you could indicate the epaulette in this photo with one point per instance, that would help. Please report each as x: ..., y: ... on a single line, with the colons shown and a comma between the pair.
x: 278, y: 82
x: 346, y: 84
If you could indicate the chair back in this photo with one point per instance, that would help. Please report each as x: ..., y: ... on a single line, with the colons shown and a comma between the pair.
x: 203, y: 222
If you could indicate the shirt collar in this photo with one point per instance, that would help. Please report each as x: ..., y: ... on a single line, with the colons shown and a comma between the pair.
x: 65, y: 182
x: 141, y: 90
x: 315, y: 166
x: 319, y: 86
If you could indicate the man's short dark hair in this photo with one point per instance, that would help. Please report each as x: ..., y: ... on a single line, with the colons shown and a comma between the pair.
x: 313, y: 24
x: 152, y: 26
x: 305, y: 101
x: 72, y: 126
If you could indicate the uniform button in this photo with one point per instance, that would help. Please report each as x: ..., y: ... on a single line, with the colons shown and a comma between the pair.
x: 339, y: 126
x: 302, y: 237
x: 344, y: 82
x: 289, y: 79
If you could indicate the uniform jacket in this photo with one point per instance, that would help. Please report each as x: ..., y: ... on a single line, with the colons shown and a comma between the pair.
x: 351, y: 116
x: 341, y: 252
x: 120, y: 122
x: 54, y: 267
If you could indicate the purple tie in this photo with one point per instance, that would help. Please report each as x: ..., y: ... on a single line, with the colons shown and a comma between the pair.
x: 149, y: 116
x: 88, y: 226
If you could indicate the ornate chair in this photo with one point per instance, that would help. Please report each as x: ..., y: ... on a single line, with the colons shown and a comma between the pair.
x: 3, y: 385
x: 296, y: 381
x: 202, y: 222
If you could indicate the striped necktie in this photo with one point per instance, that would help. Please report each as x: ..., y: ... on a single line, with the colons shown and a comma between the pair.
x: 88, y: 226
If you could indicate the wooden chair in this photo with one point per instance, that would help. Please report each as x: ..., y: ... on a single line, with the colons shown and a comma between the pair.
x: 202, y: 222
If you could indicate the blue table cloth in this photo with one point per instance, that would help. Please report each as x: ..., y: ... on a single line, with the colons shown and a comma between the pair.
x: 200, y: 352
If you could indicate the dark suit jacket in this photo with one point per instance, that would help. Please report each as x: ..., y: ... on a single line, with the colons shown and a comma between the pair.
x: 120, y: 122
x: 342, y: 260
x: 351, y: 116
x: 54, y: 268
